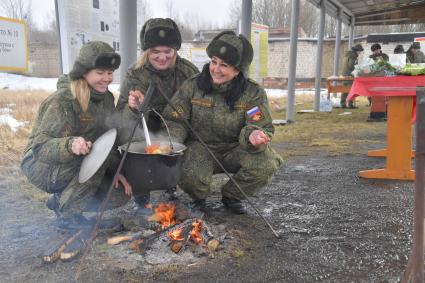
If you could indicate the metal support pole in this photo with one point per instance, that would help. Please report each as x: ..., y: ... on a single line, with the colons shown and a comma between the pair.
x: 295, y: 11
x: 351, y: 35
x: 415, y: 266
x: 337, y: 44
x: 319, y: 56
x: 246, y: 18
x: 418, y: 236
x: 58, y: 36
x: 128, y: 35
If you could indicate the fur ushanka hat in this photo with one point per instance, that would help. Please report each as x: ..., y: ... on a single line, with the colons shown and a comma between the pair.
x: 159, y: 31
x: 94, y: 54
x: 234, y: 49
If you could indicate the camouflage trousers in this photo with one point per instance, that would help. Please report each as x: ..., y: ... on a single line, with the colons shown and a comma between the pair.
x: 252, y: 171
x: 63, y: 179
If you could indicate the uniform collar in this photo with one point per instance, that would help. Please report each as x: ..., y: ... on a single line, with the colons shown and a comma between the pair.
x: 221, y: 88
x: 97, y: 96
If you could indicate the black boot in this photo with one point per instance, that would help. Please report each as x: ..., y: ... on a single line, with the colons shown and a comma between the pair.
x: 199, y: 204
x: 234, y: 205
x: 53, y: 203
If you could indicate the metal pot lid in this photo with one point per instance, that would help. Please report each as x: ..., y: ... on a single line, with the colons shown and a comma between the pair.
x: 98, y: 154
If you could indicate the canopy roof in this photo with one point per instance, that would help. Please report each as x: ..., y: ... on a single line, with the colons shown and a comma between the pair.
x: 376, y: 12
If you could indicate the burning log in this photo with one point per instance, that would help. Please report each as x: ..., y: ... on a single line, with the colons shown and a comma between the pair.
x: 180, y: 238
x: 208, y: 238
x: 54, y: 252
x: 143, y: 244
x: 176, y: 246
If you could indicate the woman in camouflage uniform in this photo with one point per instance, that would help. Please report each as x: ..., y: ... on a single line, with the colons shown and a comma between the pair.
x: 68, y: 122
x: 350, y: 60
x: 414, y: 54
x: 159, y: 39
x: 231, y: 115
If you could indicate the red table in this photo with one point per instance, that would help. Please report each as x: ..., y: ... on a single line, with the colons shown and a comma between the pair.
x: 399, y: 122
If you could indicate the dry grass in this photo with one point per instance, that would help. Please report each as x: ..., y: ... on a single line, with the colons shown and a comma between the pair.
x: 24, y: 106
x: 330, y: 133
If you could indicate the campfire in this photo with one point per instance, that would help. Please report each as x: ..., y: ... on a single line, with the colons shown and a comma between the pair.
x: 180, y: 233
x: 169, y: 223
x: 192, y: 230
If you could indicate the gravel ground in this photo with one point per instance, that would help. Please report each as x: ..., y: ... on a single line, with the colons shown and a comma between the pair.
x: 334, y: 227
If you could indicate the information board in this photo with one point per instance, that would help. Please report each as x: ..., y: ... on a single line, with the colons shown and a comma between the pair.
x: 13, y: 45
x: 260, y: 44
x: 81, y: 21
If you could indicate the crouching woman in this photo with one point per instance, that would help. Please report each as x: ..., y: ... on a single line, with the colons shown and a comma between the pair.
x: 231, y: 115
x: 68, y: 123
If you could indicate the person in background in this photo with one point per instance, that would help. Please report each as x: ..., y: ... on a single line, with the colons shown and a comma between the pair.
x: 399, y: 49
x: 231, y: 115
x: 414, y: 54
x: 68, y: 123
x: 350, y: 60
x: 159, y: 39
x: 377, y: 53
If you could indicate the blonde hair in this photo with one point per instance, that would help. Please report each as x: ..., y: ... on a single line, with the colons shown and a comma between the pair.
x: 81, y: 92
x: 141, y: 61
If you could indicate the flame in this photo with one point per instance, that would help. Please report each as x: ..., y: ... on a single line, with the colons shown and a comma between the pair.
x: 164, y: 214
x: 195, y: 234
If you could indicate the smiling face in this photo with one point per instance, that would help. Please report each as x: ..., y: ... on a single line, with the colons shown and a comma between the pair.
x: 162, y: 57
x: 222, y: 72
x: 99, y: 79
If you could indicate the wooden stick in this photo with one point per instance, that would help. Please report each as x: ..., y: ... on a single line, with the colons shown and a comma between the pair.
x: 55, y: 251
x: 123, y: 238
x: 74, y: 248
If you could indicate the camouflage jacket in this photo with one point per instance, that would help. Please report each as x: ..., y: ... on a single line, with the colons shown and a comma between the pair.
x: 418, y: 57
x: 350, y: 60
x: 214, y: 122
x: 60, y: 119
x: 169, y: 81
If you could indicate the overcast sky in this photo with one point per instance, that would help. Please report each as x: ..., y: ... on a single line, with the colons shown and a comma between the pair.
x: 216, y: 11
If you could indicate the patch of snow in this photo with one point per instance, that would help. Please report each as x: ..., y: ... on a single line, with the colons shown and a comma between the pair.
x: 276, y: 93
x: 6, y: 119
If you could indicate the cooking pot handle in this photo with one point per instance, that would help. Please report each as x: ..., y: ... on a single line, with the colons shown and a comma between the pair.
x: 166, y: 127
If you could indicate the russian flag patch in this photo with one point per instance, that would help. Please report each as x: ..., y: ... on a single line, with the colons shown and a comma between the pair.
x: 254, y: 113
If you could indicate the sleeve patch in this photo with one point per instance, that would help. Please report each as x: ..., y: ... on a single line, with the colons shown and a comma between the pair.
x: 255, y: 114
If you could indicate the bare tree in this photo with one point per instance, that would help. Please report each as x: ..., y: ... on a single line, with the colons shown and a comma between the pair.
x: 169, y: 7
x: 17, y: 9
x: 308, y: 20
x: 143, y: 10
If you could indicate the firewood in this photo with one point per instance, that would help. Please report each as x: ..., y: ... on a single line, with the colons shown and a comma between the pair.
x: 208, y: 238
x: 54, y: 252
x: 142, y: 246
x: 74, y: 248
x: 176, y: 246
x: 124, y: 238
x: 213, y: 244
